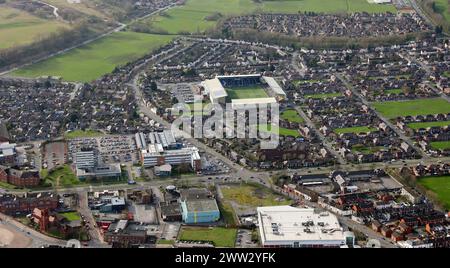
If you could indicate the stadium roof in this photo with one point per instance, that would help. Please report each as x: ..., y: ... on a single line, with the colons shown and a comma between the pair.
x: 215, y: 88
x: 237, y: 103
x: 274, y: 85
x: 286, y: 224
x: 238, y: 75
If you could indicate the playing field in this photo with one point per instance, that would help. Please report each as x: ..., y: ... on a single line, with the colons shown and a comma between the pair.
x: 20, y: 28
x: 429, y: 124
x: 89, y: 62
x: 220, y: 237
x: 291, y: 115
x: 354, y: 130
x: 440, y: 145
x: 392, y: 109
x: 191, y: 16
x: 323, y: 95
x: 246, y: 93
x: 440, y: 186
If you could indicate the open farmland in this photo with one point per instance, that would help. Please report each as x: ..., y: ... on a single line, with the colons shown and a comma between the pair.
x: 20, y: 28
x: 392, y: 109
x: 193, y: 16
x: 89, y: 62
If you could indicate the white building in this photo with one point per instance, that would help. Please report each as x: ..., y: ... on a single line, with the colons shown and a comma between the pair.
x: 286, y: 226
x: 85, y: 159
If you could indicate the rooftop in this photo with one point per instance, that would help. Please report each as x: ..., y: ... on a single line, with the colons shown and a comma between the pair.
x: 304, y: 225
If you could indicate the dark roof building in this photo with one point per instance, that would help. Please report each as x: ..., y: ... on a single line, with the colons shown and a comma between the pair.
x: 4, y: 135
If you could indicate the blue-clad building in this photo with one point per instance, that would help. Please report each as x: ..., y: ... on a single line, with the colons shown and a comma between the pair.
x: 199, y: 206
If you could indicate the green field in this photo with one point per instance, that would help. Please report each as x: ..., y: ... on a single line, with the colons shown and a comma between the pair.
x: 366, y: 150
x: 89, y: 62
x: 291, y: 115
x: 354, y: 130
x: 219, y: 236
x: 191, y: 16
x: 440, y: 145
x: 62, y: 176
x: 395, y: 91
x: 82, y: 134
x: 440, y: 186
x: 443, y: 8
x: 281, y: 131
x: 20, y: 28
x: 252, y: 195
x: 246, y: 93
x: 392, y: 109
x: 429, y: 124
x: 71, y: 216
x: 323, y: 96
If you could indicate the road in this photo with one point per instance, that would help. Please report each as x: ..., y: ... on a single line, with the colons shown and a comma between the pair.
x: 384, y: 119
x: 324, y: 140
x: 55, y: 9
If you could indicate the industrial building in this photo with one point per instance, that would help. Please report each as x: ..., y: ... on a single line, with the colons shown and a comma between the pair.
x: 161, y: 148
x: 199, y: 206
x: 286, y: 226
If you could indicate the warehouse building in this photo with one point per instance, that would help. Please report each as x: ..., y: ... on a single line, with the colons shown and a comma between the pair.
x: 199, y: 206
x: 286, y: 226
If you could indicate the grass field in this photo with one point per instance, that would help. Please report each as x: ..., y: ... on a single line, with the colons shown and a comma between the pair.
x: 83, y: 7
x: 440, y: 186
x: 291, y: 115
x: 392, y: 109
x: 252, y: 195
x: 366, y: 150
x: 221, y: 237
x: 323, y: 96
x: 443, y: 7
x: 20, y: 28
x: 246, y: 93
x: 429, y: 124
x: 440, y: 145
x: 71, y: 216
x: 191, y: 16
x: 354, y: 130
x: 394, y: 91
x: 83, y: 134
x: 281, y: 131
x: 89, y: 62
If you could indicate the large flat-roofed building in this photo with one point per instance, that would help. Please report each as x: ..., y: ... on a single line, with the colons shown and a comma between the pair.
x: 199, y: 206
x: 264, y: 89
x: 286, y: 226
x: 161, y: 148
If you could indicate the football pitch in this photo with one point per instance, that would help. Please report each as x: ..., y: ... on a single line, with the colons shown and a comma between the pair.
x: 252, y: 92
x: 393, y: 109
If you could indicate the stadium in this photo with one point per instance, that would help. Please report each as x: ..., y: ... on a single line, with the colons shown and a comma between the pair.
x: 243, y: 89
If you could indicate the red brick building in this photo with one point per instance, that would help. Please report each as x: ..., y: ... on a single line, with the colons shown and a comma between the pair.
x: 12, y: 204
x: 21, y: 177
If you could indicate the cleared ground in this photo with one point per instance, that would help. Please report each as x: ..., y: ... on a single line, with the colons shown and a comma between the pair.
x: 246, y: 92
x: 392, y: 109
x: 252, y: 195
x: 89, y: 62
x: 219, y: 236
x: 440, y: 186
x: 82, y: 134
x: 20, y: 28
